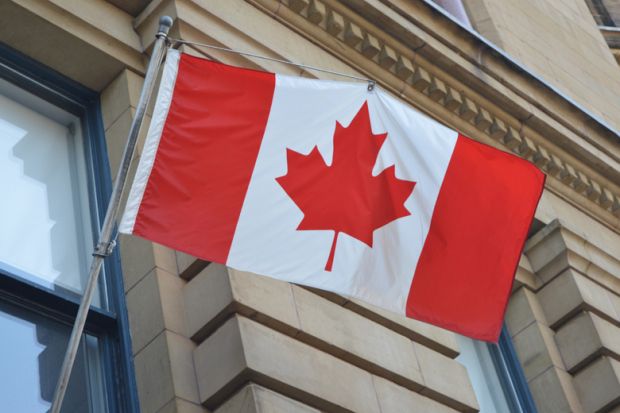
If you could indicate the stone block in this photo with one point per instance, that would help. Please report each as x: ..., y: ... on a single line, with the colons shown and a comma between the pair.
x: 216, y: 292
x: 541, y: 157
x: 172, y: 302
x: 404, y: 68
x: 568, y: 174
x: 242, y: 401
x: 370, y: 46
x: 316, y: 12
x: 525, y: 276
x: 598, y: 385
x: 137, y: 259
x: 570, y: 293
x: 165, y: 370
x: 257, y: 399
x: 437, y: 90
x: 154, y: 375
x: 527, y: 147
x: 208, y: 298
x: 615, y: 206
x: 523, y: 310
x: 120, y: 94
x: 396, y: 399
x: 182, y: 406
x: 554, y: 166
x: 537, y: 350
x: 269, y: 301
x: 585, y: 337
x: 593, y: 191
x: 553, y: 392
x: 145, y: 312
x: 116, y: 138
x: 188, y: 266
x: 180, y: 352
x: 512, y: 139
x: 165, y: 258
x: 335, y: 23
x: 356, y: 339
x: 387, y: 57
x: 453, y: 99
x: 298, y: 5
x: 468, y: 109
x: 421, y: 79
x: 154, y: 304
x: 436, y: 338
x: 551, y: 252
x: 580, y: 184
x: 446, y: 380
x: 352, y: 34
x: 498, y: 129
x: 545, y: 247
x: 242, y: 349
x: 220, y: 363
x: 606, y: 199
x: 483, y: 120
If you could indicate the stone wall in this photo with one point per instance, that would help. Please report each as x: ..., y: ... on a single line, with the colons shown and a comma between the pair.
x: 559, y: 40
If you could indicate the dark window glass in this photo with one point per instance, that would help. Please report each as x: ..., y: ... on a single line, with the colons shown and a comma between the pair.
x: 605, y: 12
x: 32, y: 349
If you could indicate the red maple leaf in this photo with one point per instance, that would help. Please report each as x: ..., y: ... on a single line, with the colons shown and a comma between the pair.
x: 345, y: 197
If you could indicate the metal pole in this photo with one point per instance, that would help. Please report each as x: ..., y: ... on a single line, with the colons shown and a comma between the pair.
x: 106, y: 238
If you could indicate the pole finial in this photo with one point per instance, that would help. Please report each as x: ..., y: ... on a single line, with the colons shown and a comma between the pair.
x: 165, y: 23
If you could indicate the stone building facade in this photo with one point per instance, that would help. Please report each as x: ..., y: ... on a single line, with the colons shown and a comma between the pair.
x: 536, y: 78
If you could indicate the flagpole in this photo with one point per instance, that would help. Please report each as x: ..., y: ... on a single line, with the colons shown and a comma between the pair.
x: 106, y: 243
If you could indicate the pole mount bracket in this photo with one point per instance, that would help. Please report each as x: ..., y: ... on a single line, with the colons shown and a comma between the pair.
x: 104, y: 249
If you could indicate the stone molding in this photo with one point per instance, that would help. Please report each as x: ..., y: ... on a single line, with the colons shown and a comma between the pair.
x: 566, y: 331
x: 556, y: 248
x: 321, y: 328
x: 96, y: 24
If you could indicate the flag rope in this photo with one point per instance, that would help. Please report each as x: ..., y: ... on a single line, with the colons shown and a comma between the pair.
x: 177, y: 42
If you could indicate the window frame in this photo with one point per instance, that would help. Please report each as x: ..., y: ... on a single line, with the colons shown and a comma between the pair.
x: 511, y: 375
x: 110, y: 325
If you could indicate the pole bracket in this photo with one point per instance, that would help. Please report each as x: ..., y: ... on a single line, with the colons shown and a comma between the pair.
x: 104, y: 249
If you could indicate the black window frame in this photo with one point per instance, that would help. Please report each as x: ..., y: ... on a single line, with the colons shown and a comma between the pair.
x: 110, y: 325
x: 510, y: 374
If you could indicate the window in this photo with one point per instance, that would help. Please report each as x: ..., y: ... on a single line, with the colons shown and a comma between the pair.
x: 46, y: 221
x: 496, y: 375
x: 605, y: 12
x: 55, y: 182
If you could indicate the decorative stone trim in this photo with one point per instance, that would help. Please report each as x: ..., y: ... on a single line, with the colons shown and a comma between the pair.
x: 383, y: 54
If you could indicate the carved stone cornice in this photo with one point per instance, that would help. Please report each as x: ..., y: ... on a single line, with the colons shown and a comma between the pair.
x: 89, y: 42
x: 455, y: 85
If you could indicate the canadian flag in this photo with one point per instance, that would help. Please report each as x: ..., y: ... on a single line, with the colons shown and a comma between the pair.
x: 334, y: 186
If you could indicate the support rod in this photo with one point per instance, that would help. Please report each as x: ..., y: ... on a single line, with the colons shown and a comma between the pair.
x: 108, y: 230
x: 178, y: 42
